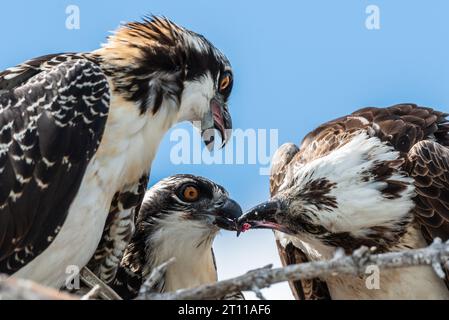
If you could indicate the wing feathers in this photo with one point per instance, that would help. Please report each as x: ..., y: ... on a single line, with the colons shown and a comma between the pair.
x: 430, y: 161
x: 280, y: 161
x: 45, y: 146
x: 314, y: 289
x: 118, y: 231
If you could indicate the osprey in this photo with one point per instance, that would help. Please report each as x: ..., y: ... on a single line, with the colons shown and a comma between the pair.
x: 78, y: 135
x: 179, y: 218
x: 376, y: 178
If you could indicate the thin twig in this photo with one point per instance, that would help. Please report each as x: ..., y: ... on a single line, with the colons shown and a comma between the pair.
x: 146, y: 291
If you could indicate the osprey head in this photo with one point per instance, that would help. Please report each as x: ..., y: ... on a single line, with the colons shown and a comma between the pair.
x: 359, y: 194
x: 192, y: 204
x: 160, y: 65
x: 179, y: 218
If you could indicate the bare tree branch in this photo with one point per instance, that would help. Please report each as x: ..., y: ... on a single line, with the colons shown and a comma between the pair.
x: 435, y: 255
x: 92, y: 281
x: 17, y: 289
x: 92, y: 294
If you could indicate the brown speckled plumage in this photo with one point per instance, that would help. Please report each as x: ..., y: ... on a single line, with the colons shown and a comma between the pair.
x: 419, y: 134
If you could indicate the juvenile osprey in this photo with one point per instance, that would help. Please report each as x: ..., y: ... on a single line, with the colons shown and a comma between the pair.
x: 78, y: 136
x: 376, y: 178
x: 179, y: 218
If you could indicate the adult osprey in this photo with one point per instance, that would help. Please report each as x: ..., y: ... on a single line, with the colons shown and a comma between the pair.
x: 78, y: 136
x: 376, y: 178
x: 179, y: 218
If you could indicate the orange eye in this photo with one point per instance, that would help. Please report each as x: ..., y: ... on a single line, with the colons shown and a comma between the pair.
x: 191, y: 194
x: 225, y: 82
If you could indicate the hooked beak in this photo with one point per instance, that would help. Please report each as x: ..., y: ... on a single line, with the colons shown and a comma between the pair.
x: 218, y: 118
x: 262, y: 217
x: 226, y: 216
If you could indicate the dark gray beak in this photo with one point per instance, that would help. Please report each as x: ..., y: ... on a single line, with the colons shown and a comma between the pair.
x: 262, y: 216
x: 226, y: 216
x: 218, y: 119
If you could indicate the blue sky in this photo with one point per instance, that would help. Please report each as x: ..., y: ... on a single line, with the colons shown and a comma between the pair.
x: 296, y: 63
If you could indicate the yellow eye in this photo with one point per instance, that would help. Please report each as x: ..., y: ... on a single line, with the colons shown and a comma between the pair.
x: 225, y: 82
x: 191, y: 194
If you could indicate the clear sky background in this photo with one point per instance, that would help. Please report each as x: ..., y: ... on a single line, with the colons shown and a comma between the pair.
x: 297, y: 64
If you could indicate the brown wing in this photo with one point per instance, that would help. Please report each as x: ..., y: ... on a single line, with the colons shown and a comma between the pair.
x: 430, y: 169
x: 302, y: 290
x: 305, y: 289
x: 402, y: 125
